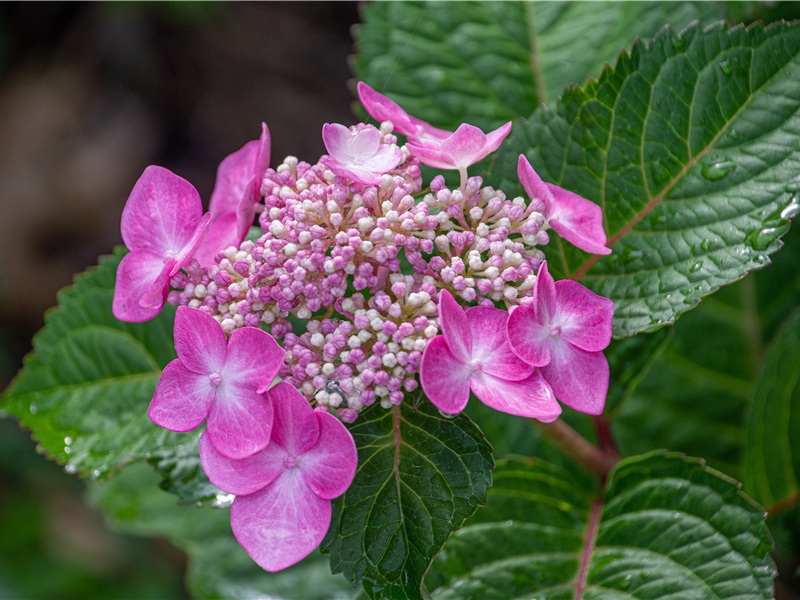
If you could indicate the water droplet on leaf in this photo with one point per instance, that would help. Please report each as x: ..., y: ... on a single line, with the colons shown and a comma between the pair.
x: 70, y: 468
x: 696, y: 267
x: 705, y: 244
x: 792, y: 208
x: 726, y: 67
x: 718, y: 168
x: 733, y: 134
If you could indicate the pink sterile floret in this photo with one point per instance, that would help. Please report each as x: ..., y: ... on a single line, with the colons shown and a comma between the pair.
x: 473, y: 354
x: 576, y: 219
x: 162, y: 225
x: 236, y: 192
x: 221, y: 379
x: 383, y: 109
x: 283, y: 494
x: 358, y: 153
x: 467, y: 146
x: 564, y: 333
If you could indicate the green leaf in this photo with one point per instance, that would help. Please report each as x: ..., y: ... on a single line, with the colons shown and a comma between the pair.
x: 182, y: 473
x: 772, y: 456
x: 419, y: 476
x: 218, y: 566
x: 689, y: 145
x: 85, y: 389
x: 486, y: 63
x: 663, y: 527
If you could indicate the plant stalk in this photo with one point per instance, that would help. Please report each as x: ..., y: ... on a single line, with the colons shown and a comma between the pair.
x: 579, y: 448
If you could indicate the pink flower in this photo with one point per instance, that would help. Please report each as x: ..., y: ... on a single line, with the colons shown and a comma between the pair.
x: 358, y: 154
x: 221, y: 379
x: 382, y: 109
x: 283, y: 494
x: 473, y: 354
x: 162, y: 225
x: 576, y: 219
x: 236, y: 192
x: 467, y: 146
x: 564, y: 333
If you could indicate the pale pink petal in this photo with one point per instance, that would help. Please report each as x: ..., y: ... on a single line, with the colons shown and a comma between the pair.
x: 585, y: 318
x: 496, y: 137
x: 337, y: 139
x: 240, y: 421
x: 382, y: 109
x: 223, y: 233
x: 253, y: 359
x: 432, y: 155
x: 466, y: 146
x: 182, y: 399
x: 578, y: 220
x: 544, y: 295
x: 490, y: 344
x: 455, y: 327
x: 530, y: 397
x: 243, y: 476
x: 295, y: 428
x: 136, y: 273
x: 529, y: 339
x: 330, y: 465
x: 578, y: 378
x: 199, y: 341
x: 162, y: 212
x: 444, y: 378
x: 359, y: 155
x: 281, y: 524
x: 534, y: 186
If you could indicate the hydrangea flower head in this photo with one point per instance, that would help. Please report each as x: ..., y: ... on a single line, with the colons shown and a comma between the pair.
x: 564, y: 333
x: 162, y: 225
x: 221, y: 379
x: 283, y: 493
x: 576, y: 219
x: 473, y: 354
x: 359, y: 153
x: 236, y: 192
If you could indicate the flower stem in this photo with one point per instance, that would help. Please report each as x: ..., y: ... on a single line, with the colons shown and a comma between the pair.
x: 579, y: 448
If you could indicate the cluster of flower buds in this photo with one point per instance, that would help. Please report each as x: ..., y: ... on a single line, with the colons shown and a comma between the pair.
x: 363, y: 274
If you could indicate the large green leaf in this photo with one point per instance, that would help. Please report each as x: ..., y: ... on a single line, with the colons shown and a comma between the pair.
x: 419, y: 476
x: 772, y: 455
x: 486, y: 63
x: 85, y: 389
x: 689, y: 145
x: 663, y: 527
x: 218, y: 566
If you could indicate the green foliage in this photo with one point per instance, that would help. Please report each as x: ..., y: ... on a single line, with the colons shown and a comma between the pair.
x: 419, y: 476
x: 85, y: 389
x: 689, y: 145
x: 486, y: 63
x: 663, y: 526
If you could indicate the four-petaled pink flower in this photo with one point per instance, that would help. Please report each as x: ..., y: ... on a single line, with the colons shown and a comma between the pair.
x: 221, y: 379
x: 236, y: 192
x: 576, y: 219
x: 383, y: 109
x: 358, y: 154
x: 283, y: 494
x: 564, y: 333
x: 162, y: 225
x: 473, y: 354
x: 466, y: 146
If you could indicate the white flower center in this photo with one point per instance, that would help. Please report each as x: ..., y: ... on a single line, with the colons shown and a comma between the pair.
x: 215, y: 379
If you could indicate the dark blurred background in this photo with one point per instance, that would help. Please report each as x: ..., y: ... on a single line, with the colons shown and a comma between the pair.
x: 91, y: 94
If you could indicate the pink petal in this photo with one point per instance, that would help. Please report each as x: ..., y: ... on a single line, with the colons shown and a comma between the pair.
x: 432, y: 155
x: 444, y: 378
x: 156, y: 295
x: 490, y: 344
x: 544, y: 295
x: 337, y: 139
x: 359, y: 155
x: 199, y: 341
x: 244, y: 476
x: 246, y: 210
x: 296, y: 428
x: 233, y: 174
x: 578, y: 220
x: 466, y: 146
x: 162, y: 212
x: 185, y: 255
x: 530, y: 397
x: 578, y: 378
x: 455, y: 327
x: 585, y: 318
x: 253, y: 359
x: 534, y: 186
x: 496, y: 137
x: 529, y: 339
x: 136, y: 273
x: 223, y: 233
x: 240, y: 421
x: 281, y: 524
x: 382, y: 109
x: 330, y: 465
x: 182, y: 399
